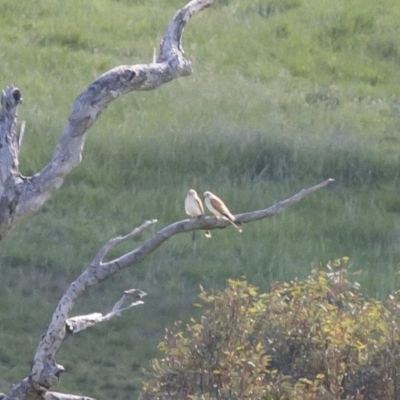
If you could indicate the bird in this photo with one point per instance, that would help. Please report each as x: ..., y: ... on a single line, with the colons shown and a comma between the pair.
x: 219, y: 209
x: 194, y: 207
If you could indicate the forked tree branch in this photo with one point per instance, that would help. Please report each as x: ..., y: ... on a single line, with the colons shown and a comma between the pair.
x: 82, y: 322
x: 21, y: 196
x: 45, y: 371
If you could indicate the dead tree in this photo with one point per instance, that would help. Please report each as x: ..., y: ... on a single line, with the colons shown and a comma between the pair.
x: 20, y: 196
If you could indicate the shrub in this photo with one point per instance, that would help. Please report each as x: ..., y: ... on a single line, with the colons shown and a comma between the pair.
x: 319, y: 338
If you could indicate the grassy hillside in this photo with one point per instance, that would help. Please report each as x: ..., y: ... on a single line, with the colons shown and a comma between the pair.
x: 284, y: 94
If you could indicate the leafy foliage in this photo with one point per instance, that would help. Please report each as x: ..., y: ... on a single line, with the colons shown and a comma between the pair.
x: 310, y: 339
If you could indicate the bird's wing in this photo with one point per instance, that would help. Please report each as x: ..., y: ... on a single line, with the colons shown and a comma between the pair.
x: 187, y: 202
x: 199, y: 203
x: 221, y: 207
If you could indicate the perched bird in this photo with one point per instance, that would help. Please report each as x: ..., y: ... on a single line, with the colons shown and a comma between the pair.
x: 219, y: 209
x: 194, y: 207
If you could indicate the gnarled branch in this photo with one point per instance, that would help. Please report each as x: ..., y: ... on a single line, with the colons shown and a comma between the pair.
x: 20, y: 196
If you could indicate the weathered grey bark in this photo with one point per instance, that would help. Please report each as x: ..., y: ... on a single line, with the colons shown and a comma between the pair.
x: 45, y: 371
x: 20, y: 196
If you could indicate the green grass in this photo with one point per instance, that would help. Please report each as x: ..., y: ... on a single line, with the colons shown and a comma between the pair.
x: 284, y: 94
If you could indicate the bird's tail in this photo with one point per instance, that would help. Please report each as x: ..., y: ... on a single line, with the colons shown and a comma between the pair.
x: 236, y: 224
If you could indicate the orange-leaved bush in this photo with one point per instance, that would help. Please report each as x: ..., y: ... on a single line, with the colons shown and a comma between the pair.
x: 318, y: 338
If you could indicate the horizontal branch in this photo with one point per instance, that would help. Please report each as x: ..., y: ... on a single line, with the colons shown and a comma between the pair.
x: 187, y: 225
x: 280, y: 206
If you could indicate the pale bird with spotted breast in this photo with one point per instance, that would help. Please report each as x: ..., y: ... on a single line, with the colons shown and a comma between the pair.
x: 194, y: 207
x: 219, y: 209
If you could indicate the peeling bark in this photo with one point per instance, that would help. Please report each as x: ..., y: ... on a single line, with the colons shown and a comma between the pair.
x: 10, y: 178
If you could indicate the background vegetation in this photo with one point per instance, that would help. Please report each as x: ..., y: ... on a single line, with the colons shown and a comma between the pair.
x: 284, y: 94
x: 314, y: 339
